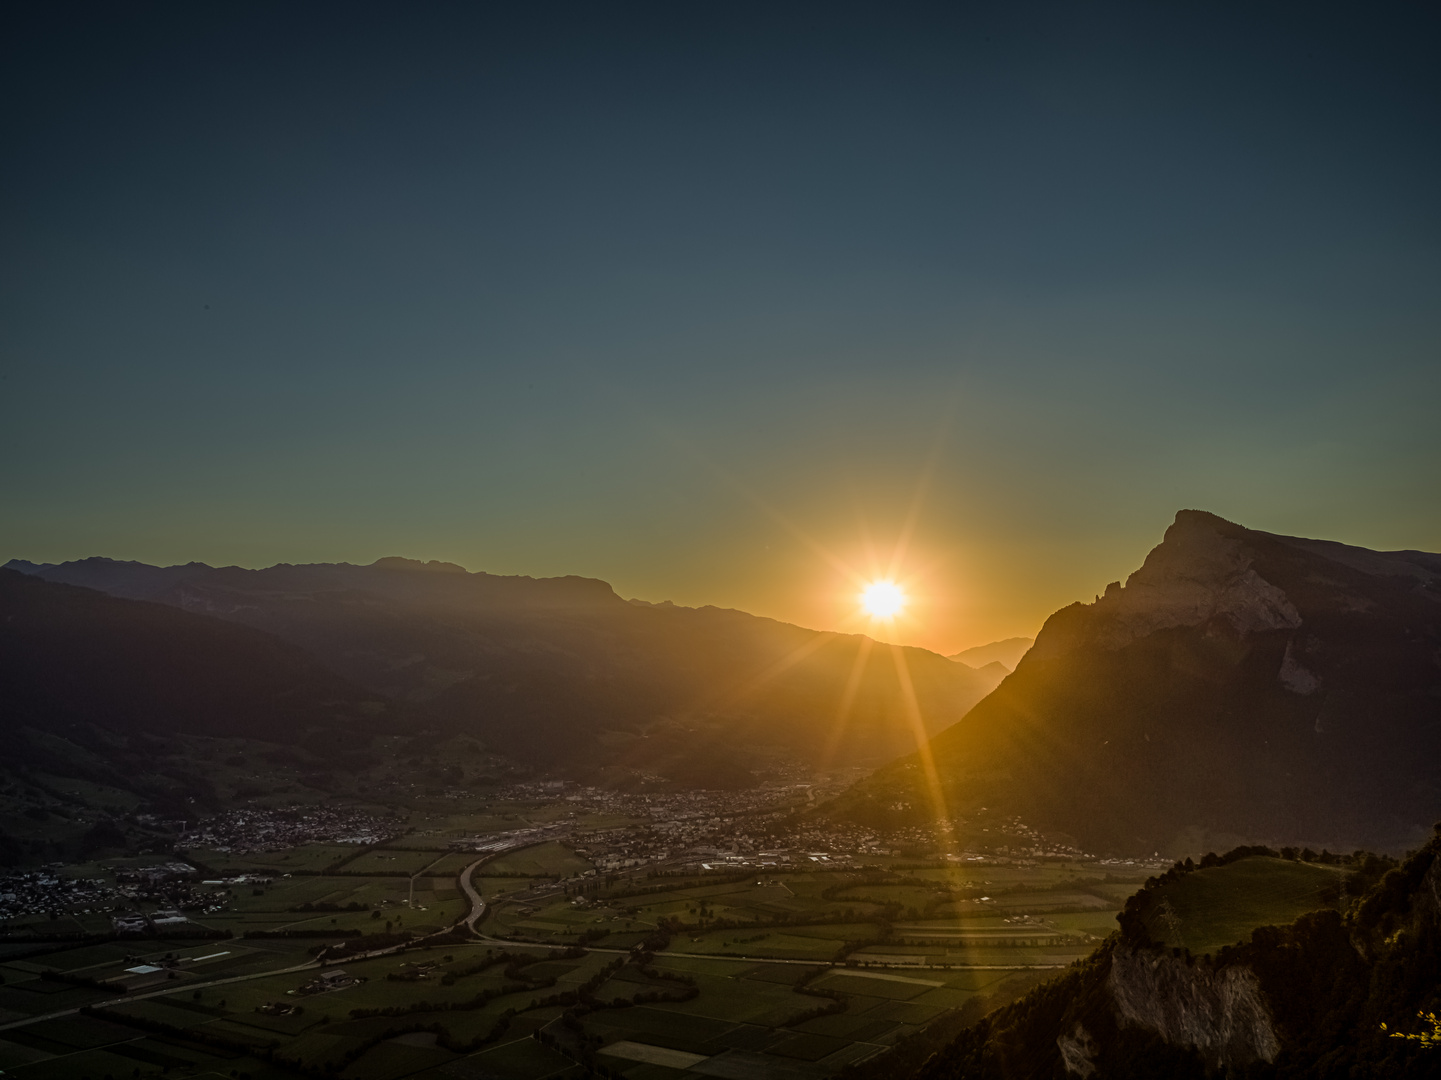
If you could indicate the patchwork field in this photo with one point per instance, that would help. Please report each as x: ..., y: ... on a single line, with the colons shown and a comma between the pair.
x: 790, y: 975
x: 343, y: 960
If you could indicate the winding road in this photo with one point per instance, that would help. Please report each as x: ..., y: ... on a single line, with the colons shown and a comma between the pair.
x: 477, y: 904
x: 477, y: 911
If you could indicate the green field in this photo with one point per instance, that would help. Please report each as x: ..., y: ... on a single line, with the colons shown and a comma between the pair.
x: 1222, y: 905
x: 541, y: 861
x: 772, y: 975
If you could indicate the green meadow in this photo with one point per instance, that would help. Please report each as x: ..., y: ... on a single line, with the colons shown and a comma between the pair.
x: 1221, y: 905
x: 790, y: 974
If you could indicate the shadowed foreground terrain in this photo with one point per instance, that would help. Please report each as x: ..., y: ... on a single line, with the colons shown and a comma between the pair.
x: 1305, y: 999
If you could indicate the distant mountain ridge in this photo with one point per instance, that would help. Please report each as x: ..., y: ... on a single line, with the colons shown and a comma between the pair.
x: 1241, y: 686
x: 1007, y: 653
x: 105, y: 689
x: 147, y: 667
x: 561, y: 673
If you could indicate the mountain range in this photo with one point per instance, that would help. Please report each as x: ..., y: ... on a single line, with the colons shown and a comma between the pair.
x: 117, y: 706
x: 561, y: 674
x: 1240, y: 686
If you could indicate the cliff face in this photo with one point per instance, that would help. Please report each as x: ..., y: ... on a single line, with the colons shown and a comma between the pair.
x: 1221, y: 1014
x: 1303, y: 1000
x: 1240, y: 687
x: 1202, y: 572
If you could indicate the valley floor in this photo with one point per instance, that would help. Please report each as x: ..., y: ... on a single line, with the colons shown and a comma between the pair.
x: 610, y: 935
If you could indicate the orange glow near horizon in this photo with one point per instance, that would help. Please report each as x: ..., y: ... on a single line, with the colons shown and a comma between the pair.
x: 883, y: 597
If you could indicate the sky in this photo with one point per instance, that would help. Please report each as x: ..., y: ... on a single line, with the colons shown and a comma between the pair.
x: 722, y: 303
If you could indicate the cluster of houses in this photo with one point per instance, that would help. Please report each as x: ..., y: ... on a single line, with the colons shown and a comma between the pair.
x: 137, y: 922
x: 334, y: 979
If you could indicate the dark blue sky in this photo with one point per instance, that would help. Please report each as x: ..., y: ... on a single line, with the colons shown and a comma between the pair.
x: 675, y: 295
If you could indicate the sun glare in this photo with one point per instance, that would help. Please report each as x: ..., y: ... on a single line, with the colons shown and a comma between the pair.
x: 883, y: 599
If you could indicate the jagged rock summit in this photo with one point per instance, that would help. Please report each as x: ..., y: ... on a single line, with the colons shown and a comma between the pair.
x: 1201, y: 572
x: 1240, y: 687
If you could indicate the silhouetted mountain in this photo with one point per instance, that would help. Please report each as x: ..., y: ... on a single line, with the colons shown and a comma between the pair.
x: 73, y: 656
x: 118, y: 692
x: 1007, y: 653
x: 562, y: 673
x: 1241, y: 686
x: 1319, y: 997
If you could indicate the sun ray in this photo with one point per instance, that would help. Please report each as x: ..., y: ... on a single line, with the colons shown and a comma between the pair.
x: 738, y: 692
x: 848, y: 700
x: 830, y: 557
x: 730, y: 480
x: 923, y: 486
x: 932, y: 779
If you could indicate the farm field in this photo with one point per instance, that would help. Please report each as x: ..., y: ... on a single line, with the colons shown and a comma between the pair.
x: 352, y: 965
x: 352, y: 959
x: 788, y: 974
x: 416, y: 1011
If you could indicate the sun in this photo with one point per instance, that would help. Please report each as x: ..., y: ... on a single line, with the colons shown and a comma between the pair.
x: 883, y: 599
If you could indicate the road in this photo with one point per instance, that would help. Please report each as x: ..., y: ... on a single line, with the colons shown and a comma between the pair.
x: 477, y: 910
x: 477, y: 904
x: 183, y: 987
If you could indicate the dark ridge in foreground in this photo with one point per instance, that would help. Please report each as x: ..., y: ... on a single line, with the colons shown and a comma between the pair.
x: 1305, y: 1000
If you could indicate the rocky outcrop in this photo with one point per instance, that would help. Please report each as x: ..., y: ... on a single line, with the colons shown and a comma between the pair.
x: 1428, y: 896
x: 1078, y: 1051
x: 1221, y: 1014
x: 1294, y: 676
x: 1311, y: 998
x: 1196, y: 574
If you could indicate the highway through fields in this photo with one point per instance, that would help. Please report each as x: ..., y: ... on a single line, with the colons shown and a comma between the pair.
x: 477, y: 903
x: 477, y: 911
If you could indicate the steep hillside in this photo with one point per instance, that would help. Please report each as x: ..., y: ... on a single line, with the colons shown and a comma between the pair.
x: 1239, y: 687
x: 113, y: 707
x: 72, y: 656
x: 563, y: 674
x: 1306, y: 999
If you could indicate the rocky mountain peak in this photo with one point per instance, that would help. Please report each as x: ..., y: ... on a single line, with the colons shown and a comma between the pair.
x: 1200, y: 572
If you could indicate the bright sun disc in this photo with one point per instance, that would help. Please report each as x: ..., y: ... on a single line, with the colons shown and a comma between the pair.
x: 883, y: 599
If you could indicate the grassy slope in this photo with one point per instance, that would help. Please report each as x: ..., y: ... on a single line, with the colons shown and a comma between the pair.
x: 1222, y: 905
x: 1329, y: 980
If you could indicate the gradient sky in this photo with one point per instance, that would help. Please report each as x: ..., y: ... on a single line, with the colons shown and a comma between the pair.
x: 703, y: 299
